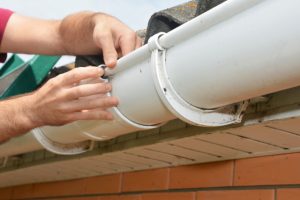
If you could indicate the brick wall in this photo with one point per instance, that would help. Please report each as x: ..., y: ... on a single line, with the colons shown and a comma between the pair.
x: 264, y: 178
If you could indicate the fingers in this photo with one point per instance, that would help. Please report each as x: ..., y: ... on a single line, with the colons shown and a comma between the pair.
x: 78, y: 74
x: 96, y: 114
x: 99, y: 96
x: 87, y: 90
x: 90, y: 104
x: 66, y: 101
x: 129, y: 43
x: 112, y: 36
x: 89, y: 96
x: 105, y: 41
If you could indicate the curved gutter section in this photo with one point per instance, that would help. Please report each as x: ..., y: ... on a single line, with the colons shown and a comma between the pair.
x: 18, y: 145
x: 251, y: 50
x: 202, y: 72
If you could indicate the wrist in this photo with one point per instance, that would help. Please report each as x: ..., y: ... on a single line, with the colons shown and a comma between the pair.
x: 76, y: 32
x: 30, y: 110
x: 26, y: 113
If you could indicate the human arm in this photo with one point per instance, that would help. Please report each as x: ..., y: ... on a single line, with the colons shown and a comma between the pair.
x: 61, y: 100
x: 83, y: 33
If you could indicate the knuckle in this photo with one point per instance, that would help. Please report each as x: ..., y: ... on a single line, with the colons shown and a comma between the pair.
x: 75, y: 75
x: 74, y: 93
x: 60, y: 108
x: 70, y: 95
x: 78, y: 92
x: 100, y: 115
x: 108, y: 102
x: 101, y: 36
x: 105, y: 88
x: 107, y: 116
x: 58, y: 78
x: 101, y: 103
x: 90, y: 104
x: 131, y: 35
x: 105, y: 103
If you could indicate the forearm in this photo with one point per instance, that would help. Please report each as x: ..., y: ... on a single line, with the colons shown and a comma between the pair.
x: 83, y: 33
x: 32, y: 36
x: 76, y: 34
x: 15, y: 117
x: 72, y: 35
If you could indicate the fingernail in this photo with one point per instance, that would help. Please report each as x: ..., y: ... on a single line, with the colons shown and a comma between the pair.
x: 111, y: 62
x: 114, y: 101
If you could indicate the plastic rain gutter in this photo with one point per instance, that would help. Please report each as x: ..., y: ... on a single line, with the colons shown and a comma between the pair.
x: 202, y: 72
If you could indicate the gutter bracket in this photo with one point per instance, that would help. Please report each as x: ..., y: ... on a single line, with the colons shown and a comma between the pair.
x: 230, y: 114
x: 60, y: 148
x: 4, y: 162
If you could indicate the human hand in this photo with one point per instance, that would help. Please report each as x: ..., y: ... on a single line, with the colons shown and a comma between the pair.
x: 114, y: 38
x: 62, y: 100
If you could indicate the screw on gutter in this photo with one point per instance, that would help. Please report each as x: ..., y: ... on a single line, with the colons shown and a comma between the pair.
x: 103, y: 67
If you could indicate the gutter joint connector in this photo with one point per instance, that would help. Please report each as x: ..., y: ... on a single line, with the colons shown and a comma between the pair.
x: 153, y: 43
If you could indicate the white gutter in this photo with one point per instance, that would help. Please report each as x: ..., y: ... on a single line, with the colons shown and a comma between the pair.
x: 202, y: 72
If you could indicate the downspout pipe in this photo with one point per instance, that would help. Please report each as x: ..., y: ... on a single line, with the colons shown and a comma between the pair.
x: 203, y: 72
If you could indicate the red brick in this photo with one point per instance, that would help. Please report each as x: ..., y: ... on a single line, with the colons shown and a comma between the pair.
x: 80, y: 198
x: 109, y: 198
x: 168, y: 196
x: 130, y: 197
x: 202, y: 175
x: 61, y: 188
x: 236, y: 195
x: 269, y: 170
x: 288, y: 194
x: 121, y: 197
x: 156, y: 179
x: 22, y: 191
x: 113, y: 197
x: 103, y: 184
x: 6, y: 193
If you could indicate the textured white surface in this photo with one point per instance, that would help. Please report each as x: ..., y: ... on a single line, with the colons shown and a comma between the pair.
x: 244, y: 48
